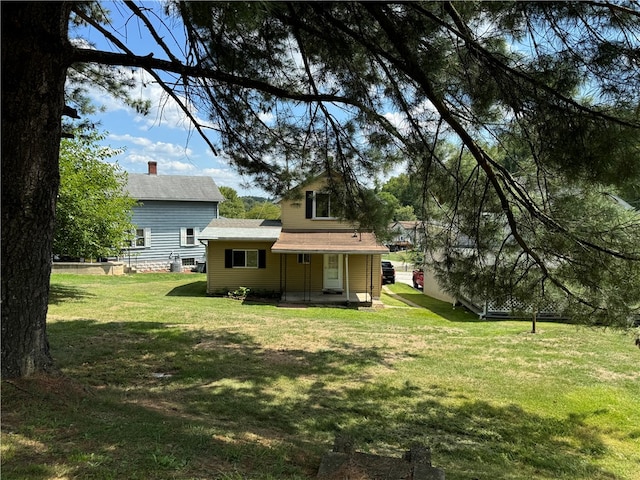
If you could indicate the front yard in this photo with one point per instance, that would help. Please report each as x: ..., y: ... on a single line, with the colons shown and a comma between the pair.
x: 161, y: 382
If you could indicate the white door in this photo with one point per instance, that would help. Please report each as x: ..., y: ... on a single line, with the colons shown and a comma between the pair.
x: 333, y: 271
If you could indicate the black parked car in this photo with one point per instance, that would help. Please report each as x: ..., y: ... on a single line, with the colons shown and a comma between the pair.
x: 388, y: 272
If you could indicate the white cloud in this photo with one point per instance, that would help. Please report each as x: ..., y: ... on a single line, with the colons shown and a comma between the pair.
x: 397, y: 119
x: 136, y: 159
x: 164, y: 109
x: 179, y: 167
x: 228, y: 177
x: 153, y: 147
x: 171, y: 158
x: 266, y: 117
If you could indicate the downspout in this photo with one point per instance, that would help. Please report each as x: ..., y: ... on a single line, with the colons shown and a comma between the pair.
x: 371, y: 280
x: 366, y: 274
x: 206, y: 260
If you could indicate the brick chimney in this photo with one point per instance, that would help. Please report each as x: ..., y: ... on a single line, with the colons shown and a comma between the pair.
x: 153, y: 168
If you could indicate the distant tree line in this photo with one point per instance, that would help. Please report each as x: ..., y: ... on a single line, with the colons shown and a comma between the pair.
x: 235, y: 206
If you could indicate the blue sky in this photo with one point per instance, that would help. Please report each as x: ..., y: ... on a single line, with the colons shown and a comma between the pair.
x: 165, y: 135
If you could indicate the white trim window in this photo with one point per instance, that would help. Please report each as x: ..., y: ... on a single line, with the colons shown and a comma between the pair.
x: 245, y: 259
x: 322, y: 205
x: 189, y: 236
x: 318, y: 206
x: 141, y: 238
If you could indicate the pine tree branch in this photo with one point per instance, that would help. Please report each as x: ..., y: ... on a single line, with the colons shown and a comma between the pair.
x: 462, y: 32
x: 79, y: 53
x: 484, y: 160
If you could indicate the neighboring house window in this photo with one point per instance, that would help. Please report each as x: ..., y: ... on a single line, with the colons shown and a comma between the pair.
x: 245, y: 258
x: 188, y: 262
x: 188, y: 237
x: 318, y: 205
x: 141, y: 239
x: 304, y: 258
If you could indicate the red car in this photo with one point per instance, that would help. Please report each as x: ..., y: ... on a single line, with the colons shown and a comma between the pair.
x: 418, y: 278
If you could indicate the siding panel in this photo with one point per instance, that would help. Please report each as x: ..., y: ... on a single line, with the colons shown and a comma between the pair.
x: 220, y: 278
x: 165, y: 219
x: 303, y: 277
x: 294, y: 212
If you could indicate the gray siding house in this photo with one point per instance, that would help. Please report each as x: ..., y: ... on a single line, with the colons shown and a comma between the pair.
x: 172, y: 210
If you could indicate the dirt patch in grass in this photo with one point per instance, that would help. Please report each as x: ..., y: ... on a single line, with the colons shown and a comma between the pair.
x: 53, y: 387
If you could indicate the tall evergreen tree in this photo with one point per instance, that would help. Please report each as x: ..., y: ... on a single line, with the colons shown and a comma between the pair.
x: 560, y: 76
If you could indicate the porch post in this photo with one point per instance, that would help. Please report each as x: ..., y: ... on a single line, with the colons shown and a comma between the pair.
x: 283, y: 274
x: 371, y: 279
x: 346, y: 267
x: 306, y: 282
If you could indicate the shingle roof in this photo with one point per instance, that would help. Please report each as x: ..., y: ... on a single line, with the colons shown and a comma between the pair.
x: 343, y: 241
x: 241, y: 229
x: 173, y: 187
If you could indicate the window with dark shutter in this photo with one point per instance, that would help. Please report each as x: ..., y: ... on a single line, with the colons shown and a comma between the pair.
x: 308, y: 211
x: 304, y: 258
x: 238, y: 258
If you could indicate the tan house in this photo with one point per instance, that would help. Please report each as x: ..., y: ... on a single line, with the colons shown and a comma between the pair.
x: 309, y: 256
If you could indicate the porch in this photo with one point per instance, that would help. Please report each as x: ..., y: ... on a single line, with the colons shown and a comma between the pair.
x: 329, y: 267
x: 355, y: 299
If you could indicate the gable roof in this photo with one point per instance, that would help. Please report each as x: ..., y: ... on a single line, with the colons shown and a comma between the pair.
x: 298, y: 190
x: 173, y: 187
x: 407, y: 224
x: 241, y: 229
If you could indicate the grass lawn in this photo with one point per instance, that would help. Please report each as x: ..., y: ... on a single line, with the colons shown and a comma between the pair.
x: 403, y: 257
x: 161, y: 382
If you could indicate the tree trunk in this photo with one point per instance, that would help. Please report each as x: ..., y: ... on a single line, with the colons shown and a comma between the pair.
x: 34, y: 49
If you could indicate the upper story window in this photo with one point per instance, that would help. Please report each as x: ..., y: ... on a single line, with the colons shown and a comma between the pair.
x: 322, y: 205
x: 319, y: 205
x: 188, y: 236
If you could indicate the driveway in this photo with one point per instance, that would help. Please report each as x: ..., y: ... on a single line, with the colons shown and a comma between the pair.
x: 404, y: 273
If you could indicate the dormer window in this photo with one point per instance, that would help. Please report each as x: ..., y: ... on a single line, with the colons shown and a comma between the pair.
x: 322, y: 205
x: 319, y: 205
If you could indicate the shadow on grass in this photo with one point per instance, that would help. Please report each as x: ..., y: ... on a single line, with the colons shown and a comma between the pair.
x: 457, y: 313
x: 194, y: 289
x: 165, y: 402
x: 444, y: 309
x: 60, y: 293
